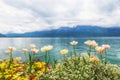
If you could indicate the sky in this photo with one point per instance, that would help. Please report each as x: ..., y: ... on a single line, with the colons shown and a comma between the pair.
x: 21, y: 16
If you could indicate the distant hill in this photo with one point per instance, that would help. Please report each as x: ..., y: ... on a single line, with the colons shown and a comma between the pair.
x: 77, y: 31
x: 1, y: 35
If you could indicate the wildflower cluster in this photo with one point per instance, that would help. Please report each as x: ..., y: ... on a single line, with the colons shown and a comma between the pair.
x: 91, y: 66
x: 14, y: 69
x: 85, y: 67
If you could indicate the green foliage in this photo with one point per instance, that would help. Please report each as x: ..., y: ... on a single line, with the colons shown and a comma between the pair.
x: 81, y: 68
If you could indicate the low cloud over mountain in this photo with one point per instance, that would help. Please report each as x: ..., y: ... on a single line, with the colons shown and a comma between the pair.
x: 20, y: 16
x: 77, y: 31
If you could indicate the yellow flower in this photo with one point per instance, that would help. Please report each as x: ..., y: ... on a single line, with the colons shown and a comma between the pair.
x: 106, y: 46
x: 22, y: 78
x: 46, y: 48
x: 17, y: 59
x: 64, y: 51
x: 25, y: 50
x: 1, y: 75
x: 99, y: 49
x: 11, y: 48
x: 34, y: 51
x: 7, y: 52
x: 94, y: 59
x: 3, y: 65
x: 43, y: 63
x: 74, y: 43
x: 91, y: 43
x: 57, y: 66
x: 39, y: 65
x: 32, y: 46
x: 8, y: 76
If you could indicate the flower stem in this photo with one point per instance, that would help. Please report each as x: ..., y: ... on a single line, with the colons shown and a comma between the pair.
x: 74, y: 51
x: 101, y: 57
x: 11, y: 60
x: 26, y: 60
x: 95, y: 52
x: 49, y: 60
x: 45, y: 58
x: 105, y: 57
x: 30, y: 63
x: 89, y: 51
x: 3, y: 75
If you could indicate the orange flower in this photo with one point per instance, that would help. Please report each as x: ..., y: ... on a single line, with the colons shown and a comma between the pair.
x: 17, y: 59
x: 12, y: 48
x: 99, y: 49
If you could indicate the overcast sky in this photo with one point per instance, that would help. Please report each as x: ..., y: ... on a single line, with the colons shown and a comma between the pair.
x: 30, y: 15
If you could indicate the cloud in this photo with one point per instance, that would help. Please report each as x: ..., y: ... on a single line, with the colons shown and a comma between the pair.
x: 24, y: 15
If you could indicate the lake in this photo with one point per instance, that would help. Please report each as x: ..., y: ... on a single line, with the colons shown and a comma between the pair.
x: 58, y: 44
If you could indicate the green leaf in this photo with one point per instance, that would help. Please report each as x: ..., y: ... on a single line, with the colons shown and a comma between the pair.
x: 84, y: 60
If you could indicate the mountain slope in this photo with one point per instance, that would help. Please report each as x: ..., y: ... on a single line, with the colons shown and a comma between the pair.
x: 1, y: 35
x: 78, y: 31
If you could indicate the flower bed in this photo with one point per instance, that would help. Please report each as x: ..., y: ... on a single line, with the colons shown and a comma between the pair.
x: 84, y: 67
x: 91, y: 66
x: 31, y: 69
x: 20, y: 71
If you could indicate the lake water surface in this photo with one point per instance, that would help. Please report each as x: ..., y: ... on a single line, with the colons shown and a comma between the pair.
x: 59, y: 43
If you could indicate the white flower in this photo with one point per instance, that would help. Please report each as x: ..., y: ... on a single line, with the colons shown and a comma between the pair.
x: 46, y: 48
x: 106, y: 46
x: 7, y: 52
x: 64, y: 51
x: 49, y: 47
x: 32, y: 46
x: 91, y: 43
x: 74, y: 43
x: 25, y: 50
x: 43, y: 49
x: 34, y: 51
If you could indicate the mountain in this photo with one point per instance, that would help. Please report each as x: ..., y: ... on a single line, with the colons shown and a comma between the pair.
x: 77, y: 31
x: 1, y: 35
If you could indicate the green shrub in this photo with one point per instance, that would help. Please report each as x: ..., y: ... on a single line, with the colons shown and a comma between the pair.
x: 82, y: 68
